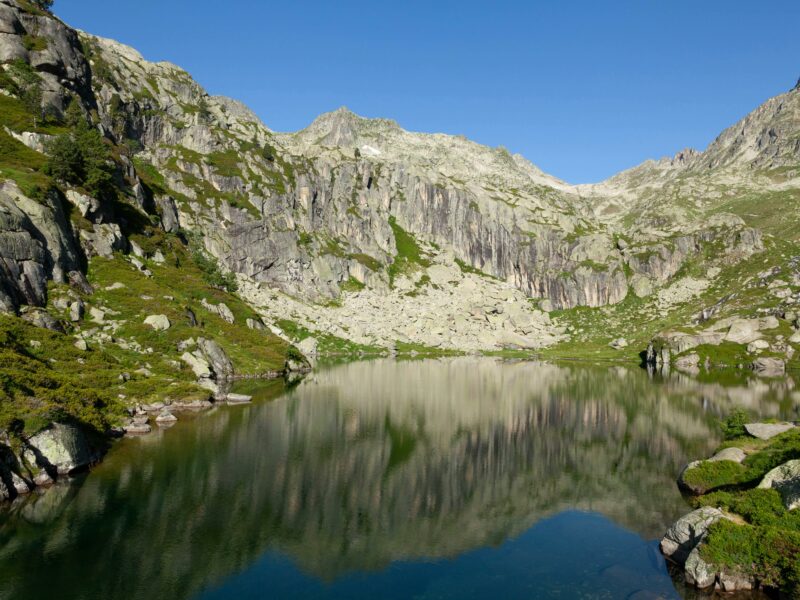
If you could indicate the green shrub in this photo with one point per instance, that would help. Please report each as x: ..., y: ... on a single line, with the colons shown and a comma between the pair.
x: 733, y: 426
x: 81, y: 156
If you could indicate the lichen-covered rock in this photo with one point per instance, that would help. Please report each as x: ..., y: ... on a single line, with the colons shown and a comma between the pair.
x: 59, y: 450
x: 785, y: 479
x: 687, y: 532
x: 698, y: 572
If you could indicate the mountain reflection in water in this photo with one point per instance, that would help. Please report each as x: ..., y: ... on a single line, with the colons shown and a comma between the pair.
x: 382, y: 473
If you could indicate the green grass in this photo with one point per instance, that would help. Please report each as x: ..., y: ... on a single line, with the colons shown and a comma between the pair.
x: 410, y: 255
x: 328, y: 345
x: 711, y: 475
x: 764, y: 542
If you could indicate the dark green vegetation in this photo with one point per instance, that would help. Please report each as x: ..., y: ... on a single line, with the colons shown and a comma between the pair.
x: 409, y: 253
x: 81, y: 156
x: 763, y: 539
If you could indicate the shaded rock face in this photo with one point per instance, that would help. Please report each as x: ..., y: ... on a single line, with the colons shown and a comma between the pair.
x: 36, y: 245
x: 58, y: 450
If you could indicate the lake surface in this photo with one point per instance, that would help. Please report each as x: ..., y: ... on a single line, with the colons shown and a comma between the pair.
x: 458, y: 478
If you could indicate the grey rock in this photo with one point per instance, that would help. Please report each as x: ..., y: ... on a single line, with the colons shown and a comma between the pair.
x: 42, y: 319
x: 731, y: 581
x: 158, y: 322
x: 166, y: 418
x: 60, y: 449
x: 216, y: 357
x: 255, y: 324
x: 225, y: 312
x: 238, y: 398
x: 732, y: 454
x: 687, y: 532
x: 698, y: 572
x: 785, y: 479
x: 76, y: 311
x: 766, y: 431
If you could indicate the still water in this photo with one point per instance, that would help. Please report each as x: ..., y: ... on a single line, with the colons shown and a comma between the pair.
x: 458, y: 478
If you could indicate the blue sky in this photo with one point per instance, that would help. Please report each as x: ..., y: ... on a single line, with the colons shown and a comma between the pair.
x: 581, y: 88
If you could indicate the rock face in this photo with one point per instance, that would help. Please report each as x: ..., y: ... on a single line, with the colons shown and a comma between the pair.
x: 785, y: 479
x: 360, y: 215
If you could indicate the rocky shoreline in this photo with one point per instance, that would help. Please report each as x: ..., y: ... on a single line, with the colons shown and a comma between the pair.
x: 62, y: 450
x: 744, y: 533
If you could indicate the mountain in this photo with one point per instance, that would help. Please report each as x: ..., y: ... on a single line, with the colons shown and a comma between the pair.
x: 354, y: 235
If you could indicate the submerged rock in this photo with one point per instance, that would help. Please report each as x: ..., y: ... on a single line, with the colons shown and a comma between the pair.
x: 238, y: 398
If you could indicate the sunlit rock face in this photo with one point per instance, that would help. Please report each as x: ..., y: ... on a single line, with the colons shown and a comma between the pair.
x: 367, y: 463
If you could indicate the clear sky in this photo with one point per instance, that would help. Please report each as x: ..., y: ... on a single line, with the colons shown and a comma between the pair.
x: 583, y: 88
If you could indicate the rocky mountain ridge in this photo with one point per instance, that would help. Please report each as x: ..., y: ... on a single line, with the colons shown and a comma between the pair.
x: 352, y: 216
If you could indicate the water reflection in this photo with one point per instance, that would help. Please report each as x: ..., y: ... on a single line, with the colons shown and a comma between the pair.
x: 369, y: 463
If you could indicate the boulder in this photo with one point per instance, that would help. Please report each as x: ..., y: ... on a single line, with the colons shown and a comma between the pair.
x: 785, y: 479
x: 698, y: 572
x: 225, y: 312
x: 76, y: 310
x: 732, y: 581
x: 688, y: 362
x: 255, y: 324
x: 619, y: 343
x: 238, y: 398
x: 687, y: 532
x: 309, y: 347
x: 768, y: 366
x: 158, y: 322
x: 43, y: 319
x: 732, y: 454
x: 166, y: 417
x: 765, y: 431
x: 198, y: 364
x: 59, y: 450
x: 216, y: 357
x: 743, y: 331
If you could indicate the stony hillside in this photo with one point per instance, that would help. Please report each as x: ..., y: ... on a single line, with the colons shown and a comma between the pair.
x: 129, y: 194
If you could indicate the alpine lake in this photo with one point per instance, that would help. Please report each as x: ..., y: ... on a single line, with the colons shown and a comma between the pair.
x: 460, y: 478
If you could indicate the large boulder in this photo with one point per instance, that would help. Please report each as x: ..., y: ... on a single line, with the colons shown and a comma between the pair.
x: 59, y: 450
x: 687, y: 532
x: 743, y: 331
x: 198, y: 364
x: 785, y: 479
x: 216, y: 357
